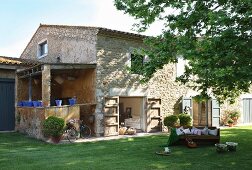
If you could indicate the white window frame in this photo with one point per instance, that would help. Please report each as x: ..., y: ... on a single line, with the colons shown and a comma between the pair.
x: 44, y: 41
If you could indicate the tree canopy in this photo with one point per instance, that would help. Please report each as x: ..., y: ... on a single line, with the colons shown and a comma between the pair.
x: 213, y: 35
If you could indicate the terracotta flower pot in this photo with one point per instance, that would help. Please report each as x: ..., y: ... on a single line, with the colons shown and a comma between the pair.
x: 56, y: 139
x: 230, y: 124
x: 235, y: 120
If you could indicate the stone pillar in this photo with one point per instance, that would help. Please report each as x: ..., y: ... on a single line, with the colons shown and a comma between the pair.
x: 99, y: 116
x: 46, y: 85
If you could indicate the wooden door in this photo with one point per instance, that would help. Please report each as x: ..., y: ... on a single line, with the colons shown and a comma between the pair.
x: 154, y: 119
x: 111, y: 116
x: 7, y: 104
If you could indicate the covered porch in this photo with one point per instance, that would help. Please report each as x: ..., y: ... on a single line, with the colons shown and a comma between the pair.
x: 46, y: 83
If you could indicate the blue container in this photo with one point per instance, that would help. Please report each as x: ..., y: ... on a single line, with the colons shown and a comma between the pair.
x: 27, y: 103
x: 20, y: 103
x: 58, y: 102
x: 35, y: 103
x: 72, y: 101
x: 40, y: 104
x: 24, y: 103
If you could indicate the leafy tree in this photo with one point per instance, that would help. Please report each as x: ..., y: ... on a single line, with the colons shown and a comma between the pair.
x: 213, y: 35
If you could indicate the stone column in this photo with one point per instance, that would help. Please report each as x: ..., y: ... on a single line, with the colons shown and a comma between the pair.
x: 46, y: 85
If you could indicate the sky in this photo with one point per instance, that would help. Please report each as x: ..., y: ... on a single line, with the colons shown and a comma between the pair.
x: 19, y: 19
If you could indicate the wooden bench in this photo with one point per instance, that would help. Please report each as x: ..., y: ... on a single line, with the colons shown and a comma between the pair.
x: 202, y: 139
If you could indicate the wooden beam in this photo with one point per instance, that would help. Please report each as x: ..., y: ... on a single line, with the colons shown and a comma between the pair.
x: 24, y: 73
x: 31, y: 74
x: 70, y: 66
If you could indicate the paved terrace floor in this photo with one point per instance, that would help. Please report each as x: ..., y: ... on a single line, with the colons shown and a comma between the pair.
x: 102, y: 138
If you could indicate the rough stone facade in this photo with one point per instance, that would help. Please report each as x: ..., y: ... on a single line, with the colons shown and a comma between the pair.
x: 113, y: 55
x: 65, y: 44
x: 29, y: 120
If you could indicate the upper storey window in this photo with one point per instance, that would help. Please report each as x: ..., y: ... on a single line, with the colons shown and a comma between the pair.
x: 42, y: 49
x: 137, y: 62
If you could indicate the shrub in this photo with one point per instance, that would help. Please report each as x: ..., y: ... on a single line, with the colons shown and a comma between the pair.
x: 185, y: 119
x: 230, y: 121
x: 224, y: 117
x: 171, y: 121
x: 53, y: 126
x: 234, y: 114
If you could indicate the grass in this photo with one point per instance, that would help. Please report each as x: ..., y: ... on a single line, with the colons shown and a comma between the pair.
x: 20, y: 152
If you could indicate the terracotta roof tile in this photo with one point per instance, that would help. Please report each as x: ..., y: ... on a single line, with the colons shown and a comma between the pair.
x: 17, y: 61
x: 100, y: 29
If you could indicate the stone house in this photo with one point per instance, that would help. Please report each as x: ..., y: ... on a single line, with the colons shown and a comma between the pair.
x: 90, y: 63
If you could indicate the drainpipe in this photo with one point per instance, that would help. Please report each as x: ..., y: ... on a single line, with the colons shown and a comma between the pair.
x: 30, y: 88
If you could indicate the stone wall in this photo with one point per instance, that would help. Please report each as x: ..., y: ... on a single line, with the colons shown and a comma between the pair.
x: 65, y: 44
x: 113, y: 56
x: 29, y: 120
x: 8, y: 74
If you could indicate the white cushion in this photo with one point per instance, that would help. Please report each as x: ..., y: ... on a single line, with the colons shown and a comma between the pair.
x: 180, y: 131
x: 205, y: 131
x: 195, y: 131
x: 187, y: 131
x: 213, y: 132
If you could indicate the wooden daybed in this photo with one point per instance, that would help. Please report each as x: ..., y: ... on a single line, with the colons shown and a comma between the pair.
x: 199, y: 139
x: 202, y: 139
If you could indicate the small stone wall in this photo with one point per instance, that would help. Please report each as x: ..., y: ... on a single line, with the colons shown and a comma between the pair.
x: 29, y: 120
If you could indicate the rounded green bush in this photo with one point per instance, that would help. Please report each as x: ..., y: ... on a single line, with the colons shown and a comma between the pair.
x: 185, y: 119
x: 234, y: 114
x: 171, y: 121
x: 53, y: 126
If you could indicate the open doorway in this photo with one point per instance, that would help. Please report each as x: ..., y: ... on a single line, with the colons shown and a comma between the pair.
x: 140, y: 113
x: 199, y: 113
x: 203, y: 114
x: 132, y: 113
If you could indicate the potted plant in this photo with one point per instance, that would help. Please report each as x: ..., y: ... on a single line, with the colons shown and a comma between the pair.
x: 230, y: 122
x: 53, y: 127
x: 234, y: 116
x: 185, y: 119
x: 171, y: 121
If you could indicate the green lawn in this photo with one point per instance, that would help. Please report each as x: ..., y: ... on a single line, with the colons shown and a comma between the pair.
x: 20, y: 152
